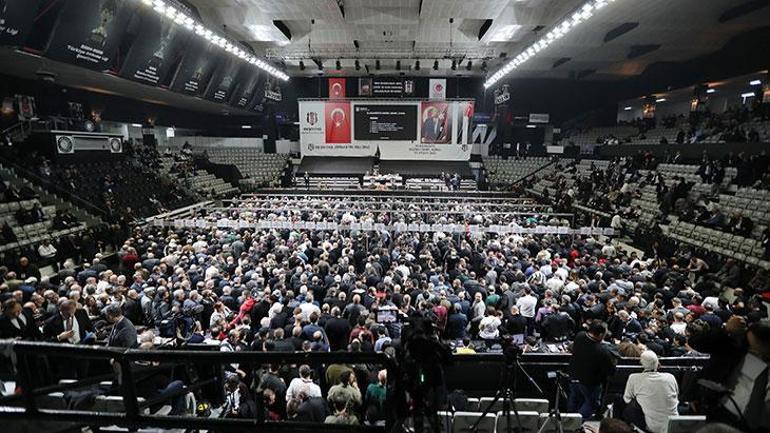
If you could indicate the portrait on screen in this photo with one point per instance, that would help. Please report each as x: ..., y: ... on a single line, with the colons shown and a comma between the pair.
x: 436, y: 123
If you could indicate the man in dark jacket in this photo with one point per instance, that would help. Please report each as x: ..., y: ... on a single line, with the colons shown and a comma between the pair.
x: 590, y: 365
x: 17, y: 322
x: 123, y: 331
x: 68, y: 325
x: 337, y: 330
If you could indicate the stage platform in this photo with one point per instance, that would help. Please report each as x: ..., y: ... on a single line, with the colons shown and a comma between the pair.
x: 335, y: 166
x: 426, y: 168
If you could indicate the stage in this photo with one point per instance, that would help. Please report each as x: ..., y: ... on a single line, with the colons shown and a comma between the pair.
x: 354, y: 167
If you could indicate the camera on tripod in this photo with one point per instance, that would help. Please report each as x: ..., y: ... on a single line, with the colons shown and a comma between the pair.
x: 557, y: 375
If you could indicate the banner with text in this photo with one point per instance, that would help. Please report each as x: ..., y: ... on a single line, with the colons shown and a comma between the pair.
x: 325, y: 130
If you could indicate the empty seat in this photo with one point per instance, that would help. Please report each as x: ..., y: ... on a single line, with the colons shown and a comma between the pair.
x: 463, y: 421
x: 685, y: 423
x: 531, y: 404
x: 569, y: 422
x: 530, y: 421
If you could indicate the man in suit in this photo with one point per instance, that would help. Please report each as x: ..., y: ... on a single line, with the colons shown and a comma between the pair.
x: 123, y: 331
x: 69, y: 325
x: 431, y: 127
x: 17, y: 322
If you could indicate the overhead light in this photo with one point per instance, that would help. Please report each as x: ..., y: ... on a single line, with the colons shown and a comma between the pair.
x: 747, y: 95
x: 180, y: 18
x: 377, y: 65
x: 469, y: 66
x: 417, y: 65
x: 358, y: 65
x: 245, y: 126
x: 627, y: 109
x: 579, y: 15
x: 454, y: 65
x: 530, y: 126
x: 136, y: 125
x: 755, y: 82
x: 709, y: 91
x: 435, y: 65
x: 661, y: 100
x: 338, y: 65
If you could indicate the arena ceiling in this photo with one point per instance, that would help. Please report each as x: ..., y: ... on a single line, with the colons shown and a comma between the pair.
x: 619, y: 41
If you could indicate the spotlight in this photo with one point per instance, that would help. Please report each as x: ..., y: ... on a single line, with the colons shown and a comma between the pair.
x: 417, y: 65
x: 377, y: 65
x: 755, y: 82
x: 469, y: 66
x: 358, y: 65
x: 338, y: 65
x: 398, y: 65
x: 484, y: 66
x: 301, y: 65
x: 320, y: 66
x: 710, y: 91
x: 435, y: 65
x: 454, y: 65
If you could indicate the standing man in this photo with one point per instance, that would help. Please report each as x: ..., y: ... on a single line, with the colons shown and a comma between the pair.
x: 123, y: 331
x: 590, y: 365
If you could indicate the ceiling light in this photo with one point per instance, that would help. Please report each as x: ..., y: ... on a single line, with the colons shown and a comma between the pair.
x: 147, y: 2
x: 301, y: 65
x: 417, y: 65
x: 435, y: 65
x: 136, y: 125
x: 531, y: 126
x: 709, y: 91
x: 454, y: 65
x: 747, y: 95
x: 245, y: 126
x: 661, y: 100
x: 627, y: 109
x: 377, y: 65
x: 469, y: 66
x: 338, y: 65
x: 579, y: 15
x: 358, y: 65
x: 755, y: 82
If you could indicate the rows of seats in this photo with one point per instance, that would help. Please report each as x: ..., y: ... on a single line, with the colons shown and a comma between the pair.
x: 329, y: 183
x: 593, y: 135
x: 740, y: 248
x: 506, y: 171
x: 258, y: 169
x: 208, y: 184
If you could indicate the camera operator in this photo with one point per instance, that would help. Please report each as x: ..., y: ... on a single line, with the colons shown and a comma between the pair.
x: 591, y: 363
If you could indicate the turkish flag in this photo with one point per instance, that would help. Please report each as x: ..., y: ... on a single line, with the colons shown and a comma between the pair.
x: 336, y: 88
x: 337, y: 116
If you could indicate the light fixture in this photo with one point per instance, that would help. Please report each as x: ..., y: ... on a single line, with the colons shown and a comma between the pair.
x: 377, y: 65
x: 245, y: 126
x: 661, y: 100
x: 454, y: 65
x: 435, y: 65
x: 469, y: 66
x: 358, y: 65
x: 338, y: 65
x: 180, y: 18
x: 747, y: 95
x: 710, y: 91
x: 530, y: 126
x: 627, y: 109
x: 398, y: 65
x: 579, y: 15
x: 417, y: 65
x: 755, y: 82
x: 136, y: 125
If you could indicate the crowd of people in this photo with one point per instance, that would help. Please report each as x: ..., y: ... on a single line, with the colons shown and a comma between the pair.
x: 319, y: 290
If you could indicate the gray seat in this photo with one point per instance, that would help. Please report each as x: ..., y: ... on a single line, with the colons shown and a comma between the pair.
x: 463, y: 421
x: 530, y: 421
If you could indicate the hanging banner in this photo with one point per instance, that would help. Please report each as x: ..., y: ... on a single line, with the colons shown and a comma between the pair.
x: 325, y: 130
x: 89, y: 33
x: 197, y: 68
x: 336, y: 88
x: 16, y: 19
x: 437, y: 88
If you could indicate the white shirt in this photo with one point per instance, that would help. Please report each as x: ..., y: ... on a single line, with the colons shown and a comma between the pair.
x: 657, y: 394
x: 46, y: 251
x: 72, y: 324
x: 19, y: 321
x: 751, y: 367
x: 526, y: 305
x: 299, y: 385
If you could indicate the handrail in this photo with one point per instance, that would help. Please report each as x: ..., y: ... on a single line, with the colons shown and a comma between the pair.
x: 536, y: 171
x: 48, y: 184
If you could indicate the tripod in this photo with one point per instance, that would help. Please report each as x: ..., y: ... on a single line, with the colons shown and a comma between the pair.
x: 555, y: 413
x: 507, y: 392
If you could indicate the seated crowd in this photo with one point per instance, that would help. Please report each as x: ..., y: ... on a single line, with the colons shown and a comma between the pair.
x: 247, y: 289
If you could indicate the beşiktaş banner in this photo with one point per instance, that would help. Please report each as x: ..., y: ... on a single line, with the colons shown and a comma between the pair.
x: 325, y: 129
x: 245, y: 88
x: 224, y: 79
x: 198, y: 65
x: 444, y: 133
x: 88, y: 33
x: 16, y: 17
x: 158, y: 48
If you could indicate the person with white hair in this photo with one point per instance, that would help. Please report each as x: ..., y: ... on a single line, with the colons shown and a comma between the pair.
x: 656, y: 393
